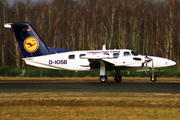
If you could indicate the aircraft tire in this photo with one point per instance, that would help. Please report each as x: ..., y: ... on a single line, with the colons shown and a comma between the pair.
x: 153, y: 78
x: 118, y: 78
x: 103, y: 78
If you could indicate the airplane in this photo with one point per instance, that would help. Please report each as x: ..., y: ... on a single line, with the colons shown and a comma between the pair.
x: 36, y: 53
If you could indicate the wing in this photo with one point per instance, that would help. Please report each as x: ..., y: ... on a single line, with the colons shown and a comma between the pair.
x: 125, y: 62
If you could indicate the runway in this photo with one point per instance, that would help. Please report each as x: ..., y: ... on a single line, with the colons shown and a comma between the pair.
x: 135, y: 87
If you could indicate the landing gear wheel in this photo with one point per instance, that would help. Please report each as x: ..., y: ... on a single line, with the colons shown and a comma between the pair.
x: 153, y: 78
x: 103, y: 78
x: 117, y: 78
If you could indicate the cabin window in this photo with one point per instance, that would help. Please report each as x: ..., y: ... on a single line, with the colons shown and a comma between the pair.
x: 127, y: 54
x: 80, y: 56
x: 71, y: 56
x: 115, y: 55
x: 106, y: 53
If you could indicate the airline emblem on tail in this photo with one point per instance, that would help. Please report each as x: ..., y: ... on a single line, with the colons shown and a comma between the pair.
x: 31, y: 44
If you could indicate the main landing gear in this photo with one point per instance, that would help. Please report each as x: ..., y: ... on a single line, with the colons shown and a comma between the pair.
x: 117, y: 77
x: 103, y: 77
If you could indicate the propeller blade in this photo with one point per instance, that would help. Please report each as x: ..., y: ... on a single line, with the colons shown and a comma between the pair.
x: 147, y: 59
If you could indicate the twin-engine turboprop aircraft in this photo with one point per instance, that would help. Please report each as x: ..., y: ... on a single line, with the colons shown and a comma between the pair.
x: 36, y: 53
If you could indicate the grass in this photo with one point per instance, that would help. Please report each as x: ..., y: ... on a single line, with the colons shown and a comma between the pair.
x: 89, y: 106
x: 88, y: 113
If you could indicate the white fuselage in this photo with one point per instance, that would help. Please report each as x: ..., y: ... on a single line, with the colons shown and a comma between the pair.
x: 79, y: 60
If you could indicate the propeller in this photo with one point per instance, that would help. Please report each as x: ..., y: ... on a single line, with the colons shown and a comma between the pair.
x: 147, y: 59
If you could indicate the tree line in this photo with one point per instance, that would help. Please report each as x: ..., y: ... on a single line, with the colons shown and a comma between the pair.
x: 146, y: 26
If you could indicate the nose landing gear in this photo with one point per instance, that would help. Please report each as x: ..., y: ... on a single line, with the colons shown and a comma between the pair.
x: 153, y: 77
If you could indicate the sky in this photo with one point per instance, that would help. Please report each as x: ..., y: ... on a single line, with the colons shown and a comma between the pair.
x: 11, y: 2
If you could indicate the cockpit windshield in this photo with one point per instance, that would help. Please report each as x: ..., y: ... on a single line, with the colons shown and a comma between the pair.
x: 134, y: 53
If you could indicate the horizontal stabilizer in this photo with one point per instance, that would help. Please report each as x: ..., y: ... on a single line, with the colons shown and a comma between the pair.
x: 8, y: 25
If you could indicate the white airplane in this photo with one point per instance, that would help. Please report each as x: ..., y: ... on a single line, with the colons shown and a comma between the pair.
x: 36, y: 53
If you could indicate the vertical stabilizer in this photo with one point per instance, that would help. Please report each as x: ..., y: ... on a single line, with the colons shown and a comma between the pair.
x: 29, y: 42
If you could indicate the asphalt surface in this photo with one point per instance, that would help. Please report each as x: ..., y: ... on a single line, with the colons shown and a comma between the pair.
x: 140, y: 87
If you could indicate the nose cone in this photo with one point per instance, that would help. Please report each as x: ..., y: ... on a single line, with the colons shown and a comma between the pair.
x: 166, y: 63
x: 162, y: 62
x: 170, y: 63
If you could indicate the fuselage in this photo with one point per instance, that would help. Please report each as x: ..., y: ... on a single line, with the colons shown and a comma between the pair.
x: 80, y: 60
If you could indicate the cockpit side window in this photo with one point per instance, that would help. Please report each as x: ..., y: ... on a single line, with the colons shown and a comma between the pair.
x: 127, y: 54
x: 134, y: 53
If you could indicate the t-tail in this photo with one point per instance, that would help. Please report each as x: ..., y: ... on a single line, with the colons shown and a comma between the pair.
x: 30, y: 43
